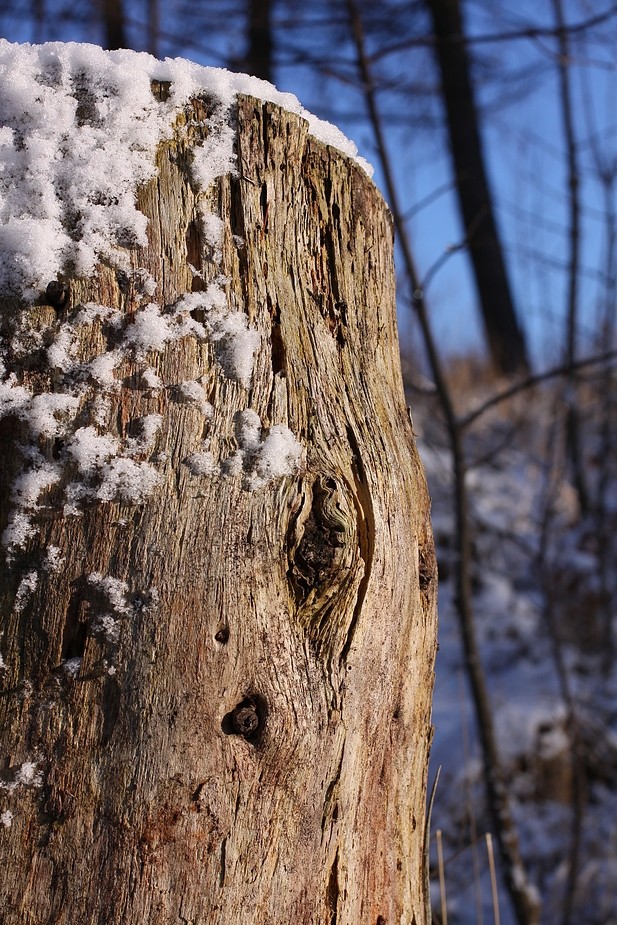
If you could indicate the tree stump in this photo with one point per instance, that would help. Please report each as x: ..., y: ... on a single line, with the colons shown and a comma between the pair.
x: 218, y: 611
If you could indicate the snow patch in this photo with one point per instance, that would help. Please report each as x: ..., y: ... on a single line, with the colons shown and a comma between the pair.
x: 203, y: 463
x: 26, y: 774
x: 6, y: 819
x: 72, y: 667
x: 27, y: 587
x: 263, y: 458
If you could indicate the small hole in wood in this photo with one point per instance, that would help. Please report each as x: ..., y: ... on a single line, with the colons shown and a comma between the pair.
x: 247, y: 719
x: 57, y: 294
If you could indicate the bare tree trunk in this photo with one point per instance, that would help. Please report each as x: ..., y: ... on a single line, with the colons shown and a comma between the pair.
x: 216, y: 696
x: 258, y: 61
x: 574, y: 426
x: 505, y: 338
x: 153, y: 26
x: 114, y: 24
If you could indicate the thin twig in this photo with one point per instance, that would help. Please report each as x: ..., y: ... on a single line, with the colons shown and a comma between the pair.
x: 536, y: 379
x: 552, y: 479
x: 491, y: 867
x: 529, y: 32
x: 442, y: 880
x: 473, y: 828
x: 427, y: 849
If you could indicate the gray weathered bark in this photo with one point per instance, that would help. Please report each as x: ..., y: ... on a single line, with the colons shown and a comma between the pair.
x: 215, y: 703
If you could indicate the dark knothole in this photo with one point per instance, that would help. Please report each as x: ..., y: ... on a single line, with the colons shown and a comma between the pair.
x: 247, y: 719
x: 57, y: 294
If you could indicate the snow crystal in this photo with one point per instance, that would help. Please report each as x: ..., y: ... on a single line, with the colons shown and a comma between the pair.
x: 114, y: 589
x: 248, y: 430
x: 234, y: 341
x: 108, y: 626
x: 53, y: 559
x: 150, y: 426
x: 101, y: 368
x: 150, y: 330
x: 212, y: 161
x: 193, y: 391
x: 202, y: 463
x: 144, y: 282
x: 38, y: 411
x: 6, y: 819
x: 60, y: 353
x: 28, y: 775
x: 237, y: 345
x: 234, y: 465
x: 279, y: 455
x: 118, y: 477
x: 94, y: 311
x: 41, y: 416
x: 18, y: 531
x: 126, y: 480
x: 150, y: 380
x: 213, y: 227
x: 27, y: 586
x: 28, y: 487
x: 72, y: 666
x: 26, y: 491
x: 91, y: 450
x: 13, y: 397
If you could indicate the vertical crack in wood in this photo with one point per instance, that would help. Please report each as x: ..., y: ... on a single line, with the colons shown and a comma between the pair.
x: 330, y: 810
x: 365, y: 525
x: 223, y: 862
x: 333, y: 890
x: 277, y: 341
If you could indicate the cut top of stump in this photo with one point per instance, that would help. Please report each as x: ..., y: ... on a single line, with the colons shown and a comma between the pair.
x: 79, y: 131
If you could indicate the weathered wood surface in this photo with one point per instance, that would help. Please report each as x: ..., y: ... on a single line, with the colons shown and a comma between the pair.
x: 309, y: 603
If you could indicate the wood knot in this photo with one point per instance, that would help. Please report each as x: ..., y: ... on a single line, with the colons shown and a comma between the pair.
x: 319, y: 537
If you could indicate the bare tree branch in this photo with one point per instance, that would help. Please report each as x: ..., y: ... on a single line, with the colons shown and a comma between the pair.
x: 532, y: 381
x: 529, y: 32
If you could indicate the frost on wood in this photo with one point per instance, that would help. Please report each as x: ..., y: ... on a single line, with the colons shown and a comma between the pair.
x: 212, y: 509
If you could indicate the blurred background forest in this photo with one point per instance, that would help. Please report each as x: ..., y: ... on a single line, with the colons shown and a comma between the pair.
x: 492, y: 126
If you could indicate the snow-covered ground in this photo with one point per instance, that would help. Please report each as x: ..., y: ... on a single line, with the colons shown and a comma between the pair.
x: 544, y: 588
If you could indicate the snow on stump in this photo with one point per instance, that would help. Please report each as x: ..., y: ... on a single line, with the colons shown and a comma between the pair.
x: 218, y: 604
